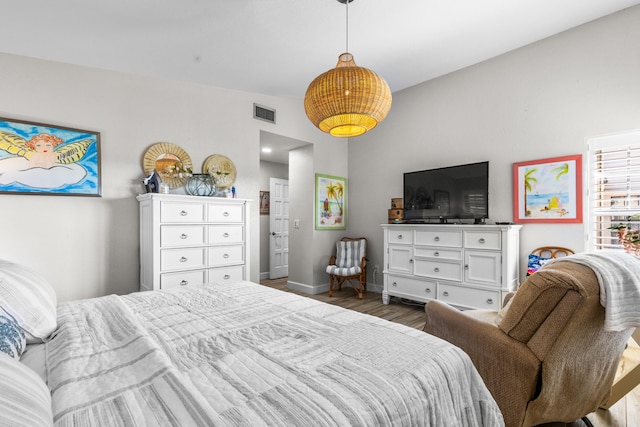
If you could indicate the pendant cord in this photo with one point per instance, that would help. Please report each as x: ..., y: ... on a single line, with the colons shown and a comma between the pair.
x: 347, y: 44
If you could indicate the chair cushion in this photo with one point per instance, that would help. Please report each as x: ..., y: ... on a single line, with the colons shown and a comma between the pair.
x: 343, y: 271
x: 349, y: 253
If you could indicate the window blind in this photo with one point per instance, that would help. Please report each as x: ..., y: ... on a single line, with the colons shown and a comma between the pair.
x: 614, y: 187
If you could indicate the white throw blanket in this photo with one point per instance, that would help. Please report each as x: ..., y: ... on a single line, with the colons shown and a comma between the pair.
x: 619, y: 277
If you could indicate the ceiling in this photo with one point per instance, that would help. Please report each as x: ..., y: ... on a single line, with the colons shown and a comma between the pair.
x: 276, y: 47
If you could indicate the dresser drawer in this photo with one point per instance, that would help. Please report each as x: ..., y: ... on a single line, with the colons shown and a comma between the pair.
x: 400, y: 236
x: 222, y: 234
x: 181, y: 212
x: 183, y: 278
x: 482, y: 240
x: 222, y: 213
x: 412, y: 288
x: 448, y: 254
x: 438, y: 269
x: 226, y: 255
x: 226, y: 274
x: 182, y: 235
x: 443, y: 238
x: 182, y: 259
x: 469, y: 297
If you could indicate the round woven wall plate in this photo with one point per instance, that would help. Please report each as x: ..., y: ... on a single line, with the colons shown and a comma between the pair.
x: 163, y: 154
x: 221, y: 168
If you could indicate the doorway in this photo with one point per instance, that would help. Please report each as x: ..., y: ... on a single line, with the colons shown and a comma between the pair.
x: 273, y: 164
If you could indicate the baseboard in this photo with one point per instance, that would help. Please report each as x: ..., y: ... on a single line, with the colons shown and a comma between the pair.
x: 264, y: 276
x: 308, y: 289
x: 315, y: 290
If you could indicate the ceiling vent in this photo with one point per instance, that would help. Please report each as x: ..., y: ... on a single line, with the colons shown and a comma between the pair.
x: 264, y: 113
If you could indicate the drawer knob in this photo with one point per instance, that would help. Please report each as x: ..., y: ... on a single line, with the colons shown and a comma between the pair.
x: 437, y: 270
x: 225, y: 256
x: 394, y: 284
x: 225, y: 214
x: 183, y: 236
x: 445, y: 293
x: 437, y: 239
x: 481, y: 240
x: 490, y: 301
x: 227, y: 277
x: 428, y: 290
x: 436, y: 254
x: 225, y: 235
x: 183, y: 283
x: 183, y: 259
x: 183, y: 213
x: 399, y: 236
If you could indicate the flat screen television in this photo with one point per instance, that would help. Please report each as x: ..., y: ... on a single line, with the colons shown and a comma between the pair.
x: 449, y: 193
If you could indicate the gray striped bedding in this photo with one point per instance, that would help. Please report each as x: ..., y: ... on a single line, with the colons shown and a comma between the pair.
x: 247, y: 355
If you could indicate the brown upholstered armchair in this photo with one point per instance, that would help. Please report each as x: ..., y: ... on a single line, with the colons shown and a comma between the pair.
x: 549, y: 358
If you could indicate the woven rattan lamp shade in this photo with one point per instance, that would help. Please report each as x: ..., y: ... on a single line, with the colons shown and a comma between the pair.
x: 347, y: 100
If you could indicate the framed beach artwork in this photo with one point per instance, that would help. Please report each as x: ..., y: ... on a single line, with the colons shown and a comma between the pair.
x: 330, y: 202
x: 37, y: 158
x: 548, y: 190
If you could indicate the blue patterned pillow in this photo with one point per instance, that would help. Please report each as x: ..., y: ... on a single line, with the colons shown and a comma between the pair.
x: 535, y: 262
x: 12, y: 337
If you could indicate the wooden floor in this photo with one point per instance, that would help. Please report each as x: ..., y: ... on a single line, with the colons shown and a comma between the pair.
x: 625, y: 413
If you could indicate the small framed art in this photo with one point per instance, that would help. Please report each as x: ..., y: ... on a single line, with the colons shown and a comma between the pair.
x: 331, y: 202
x: 548, y: 190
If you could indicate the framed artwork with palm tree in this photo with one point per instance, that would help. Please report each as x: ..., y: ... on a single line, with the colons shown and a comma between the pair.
x: 331, y: 202
x: 548, y: 190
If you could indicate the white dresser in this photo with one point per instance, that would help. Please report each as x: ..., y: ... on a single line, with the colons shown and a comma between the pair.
x: 192, y: 240
x: 469, y: 266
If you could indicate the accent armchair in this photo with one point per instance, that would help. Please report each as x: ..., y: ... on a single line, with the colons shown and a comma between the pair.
x: 349, y: 263
x: 546, y: 356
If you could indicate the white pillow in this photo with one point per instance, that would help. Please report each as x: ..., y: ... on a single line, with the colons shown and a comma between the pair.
x: 29, y: 298
x: 25, y: 399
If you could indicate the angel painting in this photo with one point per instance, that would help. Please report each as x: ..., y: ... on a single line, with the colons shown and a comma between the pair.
x: 38, y: 159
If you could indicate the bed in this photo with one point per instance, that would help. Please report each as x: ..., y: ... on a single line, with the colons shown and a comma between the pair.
x: 238, y: 354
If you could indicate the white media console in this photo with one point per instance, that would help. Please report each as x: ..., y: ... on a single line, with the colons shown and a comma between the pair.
x: 469, y: 266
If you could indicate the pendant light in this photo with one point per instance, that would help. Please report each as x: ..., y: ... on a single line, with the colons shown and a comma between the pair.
x: 347, y: 100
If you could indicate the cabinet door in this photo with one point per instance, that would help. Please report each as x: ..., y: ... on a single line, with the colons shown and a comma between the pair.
x: 401, y: 259
x: 483, y: 268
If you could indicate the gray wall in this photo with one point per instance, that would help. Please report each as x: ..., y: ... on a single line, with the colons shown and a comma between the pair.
x: 540, y: 101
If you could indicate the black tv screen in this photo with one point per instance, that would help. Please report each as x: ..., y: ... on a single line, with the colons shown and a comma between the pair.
x: 455, y: 192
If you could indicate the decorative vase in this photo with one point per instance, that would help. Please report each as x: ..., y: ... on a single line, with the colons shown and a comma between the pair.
x: 200, y: 184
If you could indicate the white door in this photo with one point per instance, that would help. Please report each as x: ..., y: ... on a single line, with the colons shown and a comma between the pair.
x: 278, y: 228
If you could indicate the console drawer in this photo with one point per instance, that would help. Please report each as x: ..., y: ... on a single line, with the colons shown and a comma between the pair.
x: 438, y: 270
x: 401, y: 236
x: 448, y: 254
x: 469, y: 297
x: 482, y: 240
x: 441, y: 238
x: 412, y: 288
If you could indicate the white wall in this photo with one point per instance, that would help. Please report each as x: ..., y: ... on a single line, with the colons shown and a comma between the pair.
x: 88, y: 246
x: 536, y: 102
